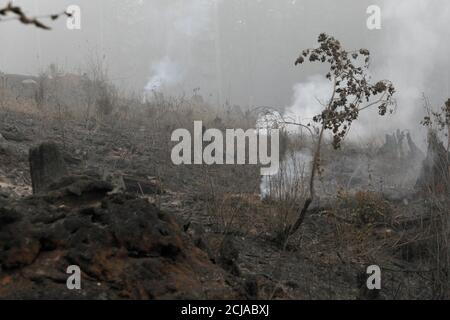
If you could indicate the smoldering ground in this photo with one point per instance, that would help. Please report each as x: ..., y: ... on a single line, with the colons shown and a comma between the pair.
x: 137, y: 71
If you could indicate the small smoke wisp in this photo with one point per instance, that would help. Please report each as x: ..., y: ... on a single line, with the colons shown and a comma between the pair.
x: 413, y: 54
x: 290, y: 179
x: 190, y: 21
x: 309, y: 99
x: 166, y: 73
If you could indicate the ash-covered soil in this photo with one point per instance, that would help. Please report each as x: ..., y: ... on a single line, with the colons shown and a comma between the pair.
x: 189, y: 232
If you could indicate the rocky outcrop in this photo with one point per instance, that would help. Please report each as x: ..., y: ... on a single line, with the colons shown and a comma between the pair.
x: 125, y: 247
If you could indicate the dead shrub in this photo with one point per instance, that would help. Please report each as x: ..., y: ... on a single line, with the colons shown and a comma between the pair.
x: 233, y: 213
x: 364, y: 208
x: 284, y: 191
x: 438, y: 233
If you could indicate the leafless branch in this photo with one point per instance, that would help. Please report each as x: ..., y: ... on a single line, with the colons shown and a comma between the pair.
x: 19, y: 15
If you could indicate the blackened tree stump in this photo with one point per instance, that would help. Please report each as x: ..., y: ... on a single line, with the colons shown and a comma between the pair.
x: 47, y: 166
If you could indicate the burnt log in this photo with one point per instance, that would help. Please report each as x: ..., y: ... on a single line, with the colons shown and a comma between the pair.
x: 47, y: 166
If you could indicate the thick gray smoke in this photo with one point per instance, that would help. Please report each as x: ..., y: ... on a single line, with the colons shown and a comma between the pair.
x: 240, y: 50
x: 166, y: 74
x: 416, y: 56
x: 413, y: 52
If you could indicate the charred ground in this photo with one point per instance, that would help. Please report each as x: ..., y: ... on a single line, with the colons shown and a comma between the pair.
x: 204, y: 231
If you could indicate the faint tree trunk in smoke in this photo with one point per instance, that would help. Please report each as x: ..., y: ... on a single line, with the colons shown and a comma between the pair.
x: 414, y: 150
x: 435, y: 175
x: 395, y: 147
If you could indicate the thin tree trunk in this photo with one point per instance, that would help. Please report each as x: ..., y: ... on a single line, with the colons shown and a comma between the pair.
x: 316, y: 162
x: 312, y: 192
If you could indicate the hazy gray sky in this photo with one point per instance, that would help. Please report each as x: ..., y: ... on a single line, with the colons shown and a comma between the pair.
x: 254, y: 41
x: 239, y: 50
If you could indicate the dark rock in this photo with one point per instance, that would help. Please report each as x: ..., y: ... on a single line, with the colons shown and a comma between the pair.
x: 8, y: 216
x: 125, y: 247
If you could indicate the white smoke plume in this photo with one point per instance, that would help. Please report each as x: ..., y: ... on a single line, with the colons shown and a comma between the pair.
x: 309, y: 98
x: 189, y: 22
x: 166, y: 73
x: 415, y: 55
x: 412, y: 52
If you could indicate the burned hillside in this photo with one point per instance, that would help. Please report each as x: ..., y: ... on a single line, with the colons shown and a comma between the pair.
x: 110, y: 173
x: 225, y: 150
